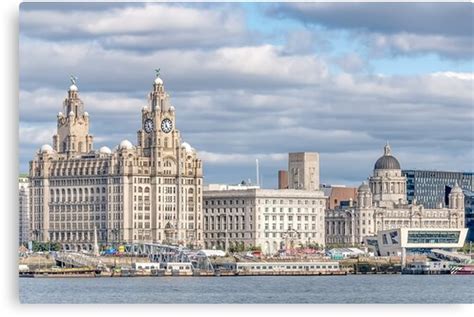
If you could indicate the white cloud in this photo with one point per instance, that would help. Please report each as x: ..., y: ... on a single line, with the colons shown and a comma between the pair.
x: 408, y: 43
x: 455, y: 75
x: 240, y: 159
x: 248, y: 66
x: 36, y: 134
x: 240, y: 100
x: 147, y: 26
x: 351, y: 62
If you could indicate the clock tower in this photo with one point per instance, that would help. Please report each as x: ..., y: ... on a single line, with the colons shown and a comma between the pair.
x: 158, y: 131
x: 175, y: 173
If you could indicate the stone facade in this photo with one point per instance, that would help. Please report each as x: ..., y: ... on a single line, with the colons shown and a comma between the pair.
x: 303, y: 171
x: 23, y: 209
x: 382, y: 205
x: 148, y: 192
x: 269, y: 218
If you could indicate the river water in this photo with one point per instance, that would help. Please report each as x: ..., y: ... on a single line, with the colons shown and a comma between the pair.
x: 251, y: 289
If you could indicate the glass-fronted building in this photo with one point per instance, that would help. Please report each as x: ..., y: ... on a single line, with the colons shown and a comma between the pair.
x: 469, y: 213
x: 430, y: 188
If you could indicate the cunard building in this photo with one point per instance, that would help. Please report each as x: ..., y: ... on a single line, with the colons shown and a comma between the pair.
x: 147, y: 192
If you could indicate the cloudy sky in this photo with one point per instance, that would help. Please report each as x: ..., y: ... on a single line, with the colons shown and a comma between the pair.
x: 260, y: 80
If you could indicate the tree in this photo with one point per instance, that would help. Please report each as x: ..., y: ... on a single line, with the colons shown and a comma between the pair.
x: 254, y: 248
x: 45, y: 246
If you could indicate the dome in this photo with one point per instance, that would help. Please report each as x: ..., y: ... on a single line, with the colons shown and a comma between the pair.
x: 172, y: 109
x: 456, y: 189
x: 158, y: 81
x: 71, y: 113
x: 73, y: 88
x: 60, y: 114
x: 145, y: 108
x: 387, y: 161
x: 125, y: 144
x: 86, y: 114
x: 105, y: 150
x: 46, y: 148
x: 188, y: 147
x: 364, y: 187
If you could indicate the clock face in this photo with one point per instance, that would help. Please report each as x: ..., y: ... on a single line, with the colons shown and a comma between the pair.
x: 148, y: 125
x: 166, y: 125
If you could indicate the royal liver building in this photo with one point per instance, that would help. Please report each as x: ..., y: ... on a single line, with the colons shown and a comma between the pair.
x: 148, y: 192
x: 382, y: 204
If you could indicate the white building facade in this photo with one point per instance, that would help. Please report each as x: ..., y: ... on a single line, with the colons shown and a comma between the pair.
x: 23, y: 208
x: 382, y: 205
x: 147, y: 192
x: 269, y: 218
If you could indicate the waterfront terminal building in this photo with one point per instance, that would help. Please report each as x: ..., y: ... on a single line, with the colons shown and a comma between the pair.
x: 394, y: 242
x: 273, y: 219
x: 382, y: 205
x: 150, y: 191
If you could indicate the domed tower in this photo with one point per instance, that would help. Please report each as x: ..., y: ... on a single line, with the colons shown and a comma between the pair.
x: 158, y: 122
x: 72, y: 135
x: 456, y: 198
x: 387, y: 183
x: 364, y: 196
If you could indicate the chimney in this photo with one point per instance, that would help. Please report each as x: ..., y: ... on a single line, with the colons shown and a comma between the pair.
x: 282, y: 179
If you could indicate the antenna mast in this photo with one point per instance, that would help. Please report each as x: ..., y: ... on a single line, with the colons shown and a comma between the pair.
x: 258, y: 176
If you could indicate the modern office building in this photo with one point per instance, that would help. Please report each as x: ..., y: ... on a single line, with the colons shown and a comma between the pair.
x: 23, y: 208
x: 469, y: 209
x: 303, y: 170
x: 147, y: 192
x: 417, y: 240
x: 382, y: 205
x: 431, y: 188
x: 269, y: 218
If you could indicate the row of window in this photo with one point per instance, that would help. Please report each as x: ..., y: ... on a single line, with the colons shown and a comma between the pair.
x: 260, y: 201
x: 291, y: 217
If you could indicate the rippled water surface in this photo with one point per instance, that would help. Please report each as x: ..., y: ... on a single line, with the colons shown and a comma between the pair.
x: 263, y: 289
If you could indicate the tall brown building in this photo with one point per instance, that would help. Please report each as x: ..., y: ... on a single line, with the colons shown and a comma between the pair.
x: 282, y: 179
